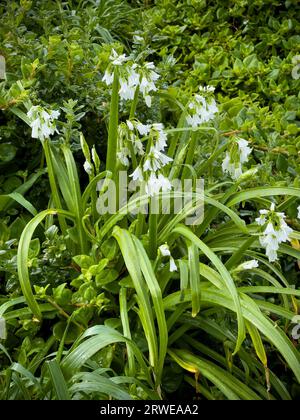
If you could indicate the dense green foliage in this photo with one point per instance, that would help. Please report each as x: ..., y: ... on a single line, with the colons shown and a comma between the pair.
x: 91, y: 308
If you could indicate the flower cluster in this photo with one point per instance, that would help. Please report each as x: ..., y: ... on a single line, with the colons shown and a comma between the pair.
x: 132, y: 77
x: 275, y: 232
x: 42, y: 122
x: 165, y: 252
x: 131, y: 132
x: 236, y: 157
x: 201, y: 109
x: 149, y: 171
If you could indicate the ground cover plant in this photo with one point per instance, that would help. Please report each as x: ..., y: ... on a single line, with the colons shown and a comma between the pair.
x: 149, y: 200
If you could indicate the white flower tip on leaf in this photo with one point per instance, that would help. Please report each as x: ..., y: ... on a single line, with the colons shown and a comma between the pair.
x: 248, y: 174
x: 88, y: 168
x: 207, y: 88
x: 95, y: 157
x: 249, y: 265
x: 3, y: 332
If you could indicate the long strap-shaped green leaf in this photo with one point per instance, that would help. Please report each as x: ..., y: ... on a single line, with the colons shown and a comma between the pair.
x: 156, y: 295
x: 23, y: 251
x: 230, y: 386
x: 252, y: 313
x: 262, y: 192
x: 228, y: 281
x: 93, y: 340
x: 58, y: 380
x: 7, y: 200
x: 131, y: 259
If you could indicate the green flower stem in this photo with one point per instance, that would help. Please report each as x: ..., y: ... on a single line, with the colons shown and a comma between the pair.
x: 112, y: 146
x: 190, y: 154
x: 213, y: 157
x: 77, y: 197
x: 131, y: 116
x: 53, y: 185
x: 152, y: 233
x: 134, y: 103
x: 140, y: 225
x: 126, y: 330
x: 180, y: 128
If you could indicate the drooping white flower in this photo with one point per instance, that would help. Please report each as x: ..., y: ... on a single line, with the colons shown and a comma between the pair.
x: 152, y: 186
x: 138, y: 146
x: 201, y: 110
x: 131, y: 77
x: 108, y: 77
x: 143, y: 129
x: 123, y: 155
x: 137, y: 175
x: 130, y: 125
x: 165, y: 252
x: 42, y: 122
x: 298, y: 212
x: 245, y: 150
x: 235, y: 157
x: 149, y: 171
x: 164, y: 183
x: 155, y: 184
x: 276, y: 231
x: 88, y: 168
x: 161, y: 137
x: 147, y: 83
x: 156, y: 160
x: 173, y: 266
x: 116, y: 59
x: 233, y: 168
x: 127, y: 90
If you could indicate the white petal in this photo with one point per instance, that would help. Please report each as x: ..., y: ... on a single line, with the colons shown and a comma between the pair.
x: 137, y: 175
x: 164, y: 250
x: 88, y: 168
x: 173, y: 266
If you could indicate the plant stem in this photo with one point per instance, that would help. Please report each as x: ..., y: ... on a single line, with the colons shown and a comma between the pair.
x: 53, y: 186
x: 190, y: 154
x: 112, y: 146
x: 74, y: 186
x: 153, y: 230
x: 131, y: 116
